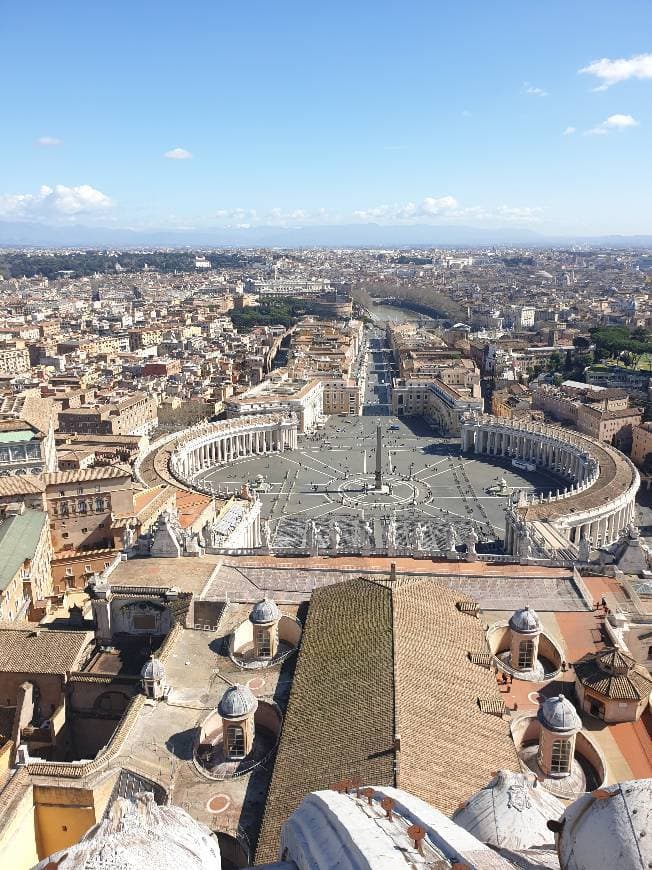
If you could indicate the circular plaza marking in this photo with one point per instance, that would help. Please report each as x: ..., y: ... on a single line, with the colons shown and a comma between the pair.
x: 256, y: 683
x: 218, y: 803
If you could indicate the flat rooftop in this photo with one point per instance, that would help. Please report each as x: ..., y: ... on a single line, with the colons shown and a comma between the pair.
x: 186, y: 574
x: 495, y: 586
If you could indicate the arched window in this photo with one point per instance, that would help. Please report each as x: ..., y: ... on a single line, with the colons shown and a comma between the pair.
x: 525, y: 654
x: 560, y: 757
x: 235, y: 741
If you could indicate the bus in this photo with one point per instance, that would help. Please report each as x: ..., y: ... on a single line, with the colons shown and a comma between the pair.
x: 523, y: 465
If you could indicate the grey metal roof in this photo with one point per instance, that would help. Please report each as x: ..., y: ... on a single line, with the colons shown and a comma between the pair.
x: 264, y: 611
x: 558, y: 714
x: 236, y: 702
x: 525, y: 620
x: 152, y: 670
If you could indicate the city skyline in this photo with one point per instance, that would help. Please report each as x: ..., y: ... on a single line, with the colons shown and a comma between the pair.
x: 237, y: 119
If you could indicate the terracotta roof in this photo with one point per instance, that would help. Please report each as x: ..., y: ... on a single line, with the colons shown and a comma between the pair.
x: 83, y: 475
x: 21, y: 485
x: 613, y: 674
x: 35, y: 650
x: 381, y: 659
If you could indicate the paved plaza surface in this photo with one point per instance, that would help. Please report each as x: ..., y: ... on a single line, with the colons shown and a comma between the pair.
x: 329, y: 478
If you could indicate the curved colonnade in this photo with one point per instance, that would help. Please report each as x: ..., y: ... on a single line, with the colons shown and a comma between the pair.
x: 212, y: 444
x: 598, y: 504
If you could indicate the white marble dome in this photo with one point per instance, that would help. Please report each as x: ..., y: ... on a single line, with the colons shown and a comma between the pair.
x: 141, y: 834
x: 558, y: 714
x: 525, y: 621
x: 609, y: 828
x: 237, y: 702
x: 153, y: 670
x: 510, y: 812
x: 264, y: 611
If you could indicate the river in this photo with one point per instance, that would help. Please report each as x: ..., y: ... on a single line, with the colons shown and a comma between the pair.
x: 385, y: 313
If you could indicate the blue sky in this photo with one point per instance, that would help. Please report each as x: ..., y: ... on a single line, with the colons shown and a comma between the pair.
x: 301, y: 113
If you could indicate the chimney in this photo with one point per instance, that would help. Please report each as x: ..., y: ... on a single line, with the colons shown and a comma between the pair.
x: 392, y: 571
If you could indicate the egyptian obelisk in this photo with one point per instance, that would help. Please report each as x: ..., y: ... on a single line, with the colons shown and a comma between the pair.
x: 379, y: 458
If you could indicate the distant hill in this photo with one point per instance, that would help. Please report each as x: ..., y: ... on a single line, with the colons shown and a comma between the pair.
x: 18, y: 234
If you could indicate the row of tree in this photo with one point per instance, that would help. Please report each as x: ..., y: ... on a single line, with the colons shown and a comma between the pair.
x: 86, y: 263
x: 612, y: 342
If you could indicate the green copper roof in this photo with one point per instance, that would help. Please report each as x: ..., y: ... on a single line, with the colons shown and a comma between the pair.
x: 13, y: 437
x: 19, y: 537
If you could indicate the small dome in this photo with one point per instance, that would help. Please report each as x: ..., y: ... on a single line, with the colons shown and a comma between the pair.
x: 238, y: 701
x: 608, y: 828
x: 152, y: 670
x: 264, y: 611
x: 558, y: 714
x: 525, y: 621
x: 511, y: 812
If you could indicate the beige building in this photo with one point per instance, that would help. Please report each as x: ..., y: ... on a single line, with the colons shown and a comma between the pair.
x: 82, y: 506
x: 642, y: 444
x: 612, y: 427
x: 612, y: 686
x: 14, y: 358
x: 135, y: 415
x: 342, y: 396
x: 27, y: 426
x: 25, y: 555
x: 282, y: 394
x: 513, y: 402
x: 604, y: 414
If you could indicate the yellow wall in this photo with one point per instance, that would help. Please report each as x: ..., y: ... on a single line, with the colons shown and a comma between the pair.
x: 5, y: 755
x: 17, y: 838
x: 63, y: 815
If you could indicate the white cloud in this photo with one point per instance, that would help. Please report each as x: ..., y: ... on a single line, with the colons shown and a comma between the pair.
x: 613, y: 122
x: 611, y: 72
x: 520, y: 214
x: 54, y: 203
x: 430, y: 206
x: 49, y: 141
x: 534, y: 92
x: 569, y: 131
x: 430, y: 209
x: 178, y: 154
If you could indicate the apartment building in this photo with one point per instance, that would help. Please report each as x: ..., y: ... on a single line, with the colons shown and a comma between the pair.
x: 27, y: 444
x: 14, y: 358
x: 82, y: 505
x: 135, y: 415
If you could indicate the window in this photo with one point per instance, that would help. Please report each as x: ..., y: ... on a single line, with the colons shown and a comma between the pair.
x: 263, y: 646
x: 560, y: 758
x: 235, y: 747
x: 525, y: 654
x: 649, y: 652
